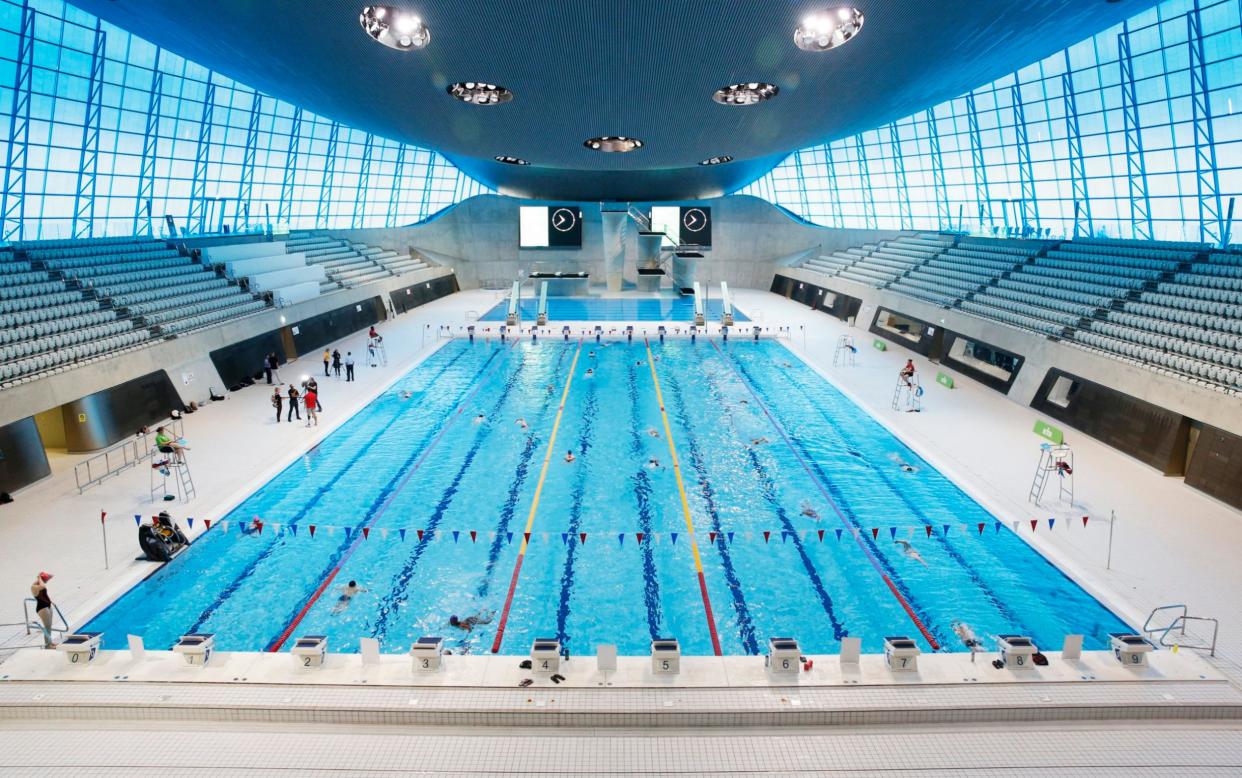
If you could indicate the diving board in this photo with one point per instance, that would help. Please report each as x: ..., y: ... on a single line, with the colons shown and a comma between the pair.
x: 726, y: 311
x: 542, y: 316
x: 514, y: 315
x: 700, y: 315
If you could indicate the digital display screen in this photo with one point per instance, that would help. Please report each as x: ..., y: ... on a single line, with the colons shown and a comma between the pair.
x: 685, y: 224
x: 549, y: 226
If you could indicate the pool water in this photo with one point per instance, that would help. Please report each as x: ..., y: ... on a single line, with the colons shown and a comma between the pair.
x: 677, y: 309
x: 773, y: 462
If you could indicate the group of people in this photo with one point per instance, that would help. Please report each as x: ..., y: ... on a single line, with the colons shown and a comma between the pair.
x: 309, y: 398
x: 332, y: 362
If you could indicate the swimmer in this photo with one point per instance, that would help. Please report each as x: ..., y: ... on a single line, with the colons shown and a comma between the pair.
x: 347, y: 595
x: 906, y: 468
x: 522, y: 423
x: 808, y: 511
x: 909, y: 550
x: 590, y: 373
x: 591, y: 354
x: 479, y: 419
x: 758, y: 441
x: 639, y: 363
x: 653, y: 463
x: 405, y: 394
x: 551, y: 389
x: 653, y: 432
x: 967, y: 636
x: 569, y: 456
x: 469, y: 623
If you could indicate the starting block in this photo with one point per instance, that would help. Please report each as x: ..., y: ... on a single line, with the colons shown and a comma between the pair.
x: 901, y: 654
x: 310, y: 650
x: 81, y: 648
x: 428, y: 653
x: 545, y: 655
x: 665, y: 656
x: 784, y: 656
x: 197, y: 648
x: 1129, y: 649
x: 1017, y: 651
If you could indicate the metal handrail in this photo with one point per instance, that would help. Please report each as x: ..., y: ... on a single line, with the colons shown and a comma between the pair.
x: 1179, y: 623
x: 35, y: 624
x: 118, y: 458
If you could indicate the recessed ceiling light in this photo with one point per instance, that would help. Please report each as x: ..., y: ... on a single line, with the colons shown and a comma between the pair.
x: 510, y: 160
x: 476, y: 93
x: 396, y: 29
x: 611, y: 143
x: 745, y: 94
x: 824, y: 30
x: 723, y: 158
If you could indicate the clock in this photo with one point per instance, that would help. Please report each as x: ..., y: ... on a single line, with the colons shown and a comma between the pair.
x: 694, y: 219
x: 564, y: 219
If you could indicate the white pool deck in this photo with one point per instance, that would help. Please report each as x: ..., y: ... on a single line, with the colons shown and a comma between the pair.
x: 1171, y: 545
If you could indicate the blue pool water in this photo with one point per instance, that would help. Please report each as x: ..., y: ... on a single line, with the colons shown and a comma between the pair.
x: 613, y: 309
x: 424, y: 463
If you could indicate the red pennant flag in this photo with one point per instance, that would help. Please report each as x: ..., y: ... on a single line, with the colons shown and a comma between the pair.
x: 207, y: 523
x: 473, y: 535
x: 420, y: 533
x: 1084, y: 521
x: 821, y: 535
x: 1034, y: 524
x: 875, y: 533
x: 711, y: 537
x: 258, y: 525
x: 766, y: 535
x: 366, y: 533
x: 526, y: 535
x: 639, y: 535
x: 928, y: 528
x: 312, y: 530
x: 981, y: 527
x: 102, y: 516
x: 582, y: 536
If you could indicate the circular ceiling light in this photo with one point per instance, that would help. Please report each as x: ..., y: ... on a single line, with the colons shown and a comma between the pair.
x: 396, y: 29
x: 613, y: 143
x: 825, y: 30
x: 476, y: 93
x: 723, y: 158
x: 510, y: 160
x: 745, y: 94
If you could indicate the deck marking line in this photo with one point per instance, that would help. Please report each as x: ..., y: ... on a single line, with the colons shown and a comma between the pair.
x: 685, y: 504
x: 288, y: 630
x: 534, y: 504
x: 836, y: 509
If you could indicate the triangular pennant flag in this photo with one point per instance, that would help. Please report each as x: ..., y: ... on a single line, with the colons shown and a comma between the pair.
x: 401, y: 532
x: 1034, y: 524
x: 946, y: 529
x: 473, y: 535
x: 892, y: 532
x: 190, y: 523
x: 366, y: 533
x: 312, y: 530
x: 766, y: 535
x: 138, y: 520
x: 420, y: 533
x: 258, y: 525
x: 293, y: 530
x: 638, y: 536
x: 655, y: 537
x: 526, y: 536
x: 802, y: 534
x: 997, y: 526
x: 711, y: 537
x: 1051, y: 522
x: 332, y: 530
x: 206, y: 524
x: 875, y: 533
x: 729, y: 535
x: 620, y: 538
x: 543, y: 536
x: 839, y: 532
x: 673, y: 537
x: 456, y: 534
x: 347, y: 530
x: 784, y: 536
x: 1015, y: 525
x: 1084, y: 521
x: 582, y: 537
x: 224, y: 526
x: 508, y: 537
x: 565, y: 538
x: 928, y: 529
x: 981, y: 526
x: 383, y: 533
x: 820, y: 532
x: 491, y: 535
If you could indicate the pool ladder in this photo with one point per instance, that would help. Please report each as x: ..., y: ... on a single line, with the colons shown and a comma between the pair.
x: 845, y: 351
x: 1178, y: 625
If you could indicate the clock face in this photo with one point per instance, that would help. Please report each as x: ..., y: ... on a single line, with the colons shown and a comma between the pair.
x: 564, y: 219
x: 694, y: 220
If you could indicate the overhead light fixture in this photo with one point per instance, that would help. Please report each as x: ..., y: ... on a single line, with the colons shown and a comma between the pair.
x: 396, y: 29
x: 510, y: 160
x: 723, y: 158
x: 476, y: 93
x: 825, y: 30
x: 613, y: 143
x: 752, y: 93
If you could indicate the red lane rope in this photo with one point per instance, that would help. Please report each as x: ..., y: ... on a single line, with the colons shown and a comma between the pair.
x: 824, y: 491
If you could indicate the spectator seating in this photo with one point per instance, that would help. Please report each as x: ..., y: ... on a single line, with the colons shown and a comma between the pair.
x: 350, y: 264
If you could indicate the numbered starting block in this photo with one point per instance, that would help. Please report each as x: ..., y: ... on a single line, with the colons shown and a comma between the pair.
x: 197, y: 648
x: 1130, y: 649
x: 1017, y: 651
x: 784, y: 656
x: 545, y: 655
x: 81, y: 648
x: 901, y: 654
x: 427, y: 653
x: 665, y: 656
x: 310, y: 650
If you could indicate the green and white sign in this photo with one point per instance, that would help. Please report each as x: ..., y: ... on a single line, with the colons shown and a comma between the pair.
x: 944, y: 380
x: 879, y: 345
x: 1050, y: 432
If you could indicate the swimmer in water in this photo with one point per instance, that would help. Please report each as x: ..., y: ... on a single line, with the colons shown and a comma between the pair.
x: 653, y: 432
x: 569, y: 456
x: 639, y: 363
x: 758, y: 441
x: 479, y: 419
x: 469, y: 623
x: 808, y: 511
x: 909, y: 550
x: 522, y: 423
x: 551, y: 389
x: 967, y: 636
x: 347, y: 595
x: 653, y: 463
x: 590, y: 373
x: 405, y: 394
x: 591, y: 354
x: 905, y: 468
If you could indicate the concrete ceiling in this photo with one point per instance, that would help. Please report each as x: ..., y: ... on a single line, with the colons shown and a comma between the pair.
x: 641, y: 68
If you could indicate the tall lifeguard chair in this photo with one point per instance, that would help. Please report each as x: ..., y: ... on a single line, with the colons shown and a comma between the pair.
x: 1054, y: 461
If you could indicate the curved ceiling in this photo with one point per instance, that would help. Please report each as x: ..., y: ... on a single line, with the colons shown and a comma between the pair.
x: 641, y: 68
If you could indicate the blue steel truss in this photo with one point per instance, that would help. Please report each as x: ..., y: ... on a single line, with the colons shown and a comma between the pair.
x: 428, y: 179
x: 13, y: 201
x: 1073, y: 138
x: 803, y: 200
x: 246, y: 184
x: 196, y: 222
x: 1206, y: 176
x: 364, y: 180
x: 329, y: 173
x: 150, y: 142
x: 899, y: 171
x: 285, y: 208
x: 1030, y: 208
x: 88, y: 158
x: 1140, y: 203
x: 394, y: 194
x: 868, y: 195
x: 976, y: 161
x: 937, y: 163
x: 834, y: 191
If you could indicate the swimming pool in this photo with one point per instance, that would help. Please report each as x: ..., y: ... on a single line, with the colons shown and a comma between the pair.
x: 428, y: 508
x: 678, y: 309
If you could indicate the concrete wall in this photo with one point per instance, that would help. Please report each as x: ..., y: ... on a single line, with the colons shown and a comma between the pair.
x: 1180, y: 396
x: 478, y: 238
x: 185, y: 358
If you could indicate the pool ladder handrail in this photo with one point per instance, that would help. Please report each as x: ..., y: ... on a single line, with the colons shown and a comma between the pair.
x: 1160, y: 634
x: 33, y: 625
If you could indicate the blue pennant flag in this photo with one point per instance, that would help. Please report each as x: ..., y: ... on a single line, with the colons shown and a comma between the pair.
x: 730, y: 534
x: 620, y: 538
x: 998, y: 526
x: 190, y: 522
x: 839, y: 535
x: 348, y: 530
x: 784, y: 536
x: 892, y: 532
x: 565, y: 538
x: 1051, y: 522
x: 508, y: 537
x: 673, y: 535
x: 293, y: 529
x: 946, y: 529
x: 456, y: 533
x: 401, y: 532
x: 138, y: 520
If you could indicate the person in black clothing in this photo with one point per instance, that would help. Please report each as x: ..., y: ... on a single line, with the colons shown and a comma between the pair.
x: 277, y: 401
x: 336, y: 362
x: 349, y: 365
x: 267, y: 369
x: 293, y: 404
x: 273, y: 363
x: 313, y: 386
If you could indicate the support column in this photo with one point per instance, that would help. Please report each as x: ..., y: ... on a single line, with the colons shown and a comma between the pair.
x: 614, y: 248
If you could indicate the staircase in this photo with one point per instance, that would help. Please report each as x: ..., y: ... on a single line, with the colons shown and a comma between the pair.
x: 348, y: 264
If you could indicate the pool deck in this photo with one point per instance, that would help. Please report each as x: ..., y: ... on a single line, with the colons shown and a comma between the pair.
x: 1171, y: 545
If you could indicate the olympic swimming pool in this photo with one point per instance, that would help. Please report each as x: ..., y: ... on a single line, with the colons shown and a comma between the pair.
x: 428, y: 511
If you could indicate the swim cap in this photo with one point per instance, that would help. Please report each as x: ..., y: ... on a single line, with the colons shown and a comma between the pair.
x: 453, y: 620
x: 353, y: 583
x: 45, y: 577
